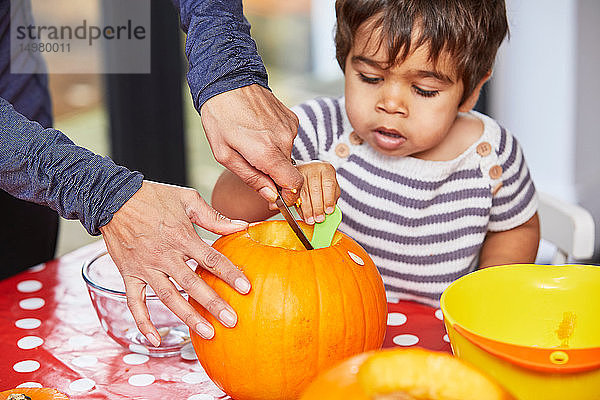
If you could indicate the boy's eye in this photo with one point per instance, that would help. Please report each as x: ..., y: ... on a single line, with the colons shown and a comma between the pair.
x: 425, y: 93
x: 368, y: 79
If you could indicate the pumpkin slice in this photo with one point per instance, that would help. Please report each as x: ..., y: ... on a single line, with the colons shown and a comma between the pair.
x: 32, y: 394
x: 339, y: 382
x: 405, y: 374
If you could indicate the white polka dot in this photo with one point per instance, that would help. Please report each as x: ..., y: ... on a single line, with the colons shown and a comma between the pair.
x: 37, y: 268
x: 356, y: 258
x: 135, y: 359
x: 30, y: 385
x: 85, y: 361
x: 405, y: 340
x: 29, y: 342
x: 141, y: 380
x: 138, y: 348
x: 201, y: 397
x: 446, y: 339
x: 32, y: 303
x: 80, y: 341
x: 188, y: 353
x: 396, y: 319
x: 26, y: 366
x: 82, y: 385
x: 28, y: 323
x: 29, y: 286
x: 195, y: 377
x: 439, y: 314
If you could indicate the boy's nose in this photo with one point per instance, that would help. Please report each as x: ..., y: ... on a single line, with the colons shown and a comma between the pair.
x: 392, y: 102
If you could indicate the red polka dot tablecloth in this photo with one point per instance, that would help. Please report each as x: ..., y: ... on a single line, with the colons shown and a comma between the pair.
x: 51, y: 337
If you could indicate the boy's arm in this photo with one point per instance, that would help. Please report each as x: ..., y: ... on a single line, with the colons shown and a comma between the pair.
x: 515, y: 246
x: 236, y: 200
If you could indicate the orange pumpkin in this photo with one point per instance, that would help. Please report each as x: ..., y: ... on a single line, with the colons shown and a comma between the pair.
x: 406, y: 374
x: 306, y: 311
x: 33, y: 394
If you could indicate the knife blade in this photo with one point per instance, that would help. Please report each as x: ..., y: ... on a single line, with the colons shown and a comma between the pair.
x: 287, y: 214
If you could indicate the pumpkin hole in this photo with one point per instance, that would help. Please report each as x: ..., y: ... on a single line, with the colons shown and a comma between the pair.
x: 279, y: 234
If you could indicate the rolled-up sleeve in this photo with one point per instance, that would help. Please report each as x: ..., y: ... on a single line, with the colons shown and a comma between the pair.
x: 44, y: 166
x: 221, y: 53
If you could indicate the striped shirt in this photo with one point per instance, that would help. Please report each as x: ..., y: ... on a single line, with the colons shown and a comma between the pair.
x: 422, y: 222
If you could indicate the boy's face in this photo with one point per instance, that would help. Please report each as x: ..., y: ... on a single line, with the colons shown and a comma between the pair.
x: 407, y: 109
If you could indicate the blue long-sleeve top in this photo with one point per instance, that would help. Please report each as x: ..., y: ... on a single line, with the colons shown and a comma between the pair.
x: 222, y: 56
x: 42, y: 165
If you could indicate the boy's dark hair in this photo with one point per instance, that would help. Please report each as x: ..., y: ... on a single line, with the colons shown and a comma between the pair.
x: 470, y: 31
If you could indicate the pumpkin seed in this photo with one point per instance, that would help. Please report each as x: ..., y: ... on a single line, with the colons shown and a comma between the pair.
x: 18, y: 396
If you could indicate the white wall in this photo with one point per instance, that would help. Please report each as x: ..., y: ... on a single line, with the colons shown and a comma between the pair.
x: 545, y: 90
x: 533, y: 89
x: 587, y: 113
x: 322, y: 16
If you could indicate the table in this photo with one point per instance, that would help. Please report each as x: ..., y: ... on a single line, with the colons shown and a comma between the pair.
x: 51, y: 337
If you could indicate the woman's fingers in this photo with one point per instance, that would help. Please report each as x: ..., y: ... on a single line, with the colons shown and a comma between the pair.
x: 207, y: 257
x: 135, y: 290
x: 206, y: 296
x: 202, y: 214
x: 172, y: 298
x: 219, y: 265
x: 152, y: 236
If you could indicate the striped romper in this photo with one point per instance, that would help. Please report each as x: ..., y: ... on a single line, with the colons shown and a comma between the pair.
x: 422, y: 222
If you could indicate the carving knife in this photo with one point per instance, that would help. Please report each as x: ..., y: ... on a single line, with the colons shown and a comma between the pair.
x: 287, y: 214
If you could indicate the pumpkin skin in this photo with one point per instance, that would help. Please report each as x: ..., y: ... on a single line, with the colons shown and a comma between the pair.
x: 306, y: 311
x: 404, y: 374
x: 35, y: 393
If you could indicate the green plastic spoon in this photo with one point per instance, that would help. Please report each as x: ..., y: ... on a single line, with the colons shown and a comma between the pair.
x: 324, y: 231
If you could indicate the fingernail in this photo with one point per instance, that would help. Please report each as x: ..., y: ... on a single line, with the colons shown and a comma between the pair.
x: 153, y: 338
x: 227, y: 317
x: 239, y: 222
x: 242, y: 285
x: 205, y: 330
x: 320, y: 218
x: 268, y: 194
x: 329, y: 210
x: 310, y: 220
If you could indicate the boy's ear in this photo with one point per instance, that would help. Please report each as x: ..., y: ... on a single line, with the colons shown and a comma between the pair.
x: 470, y: 101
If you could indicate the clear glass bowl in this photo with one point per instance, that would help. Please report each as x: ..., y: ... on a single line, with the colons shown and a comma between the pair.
x: 107, y: 292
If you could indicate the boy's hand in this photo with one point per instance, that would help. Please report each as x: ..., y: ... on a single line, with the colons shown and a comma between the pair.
x: 320, y: 191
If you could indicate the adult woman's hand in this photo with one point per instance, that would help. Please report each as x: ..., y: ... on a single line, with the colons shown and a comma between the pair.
x: 251, y: 133
x: 151, y: 237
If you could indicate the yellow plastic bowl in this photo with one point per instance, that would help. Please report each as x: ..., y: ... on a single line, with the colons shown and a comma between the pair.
x: 534, y: 328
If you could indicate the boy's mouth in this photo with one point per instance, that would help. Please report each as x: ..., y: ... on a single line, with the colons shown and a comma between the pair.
x: 388, y: 132
x: 388, y: 139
